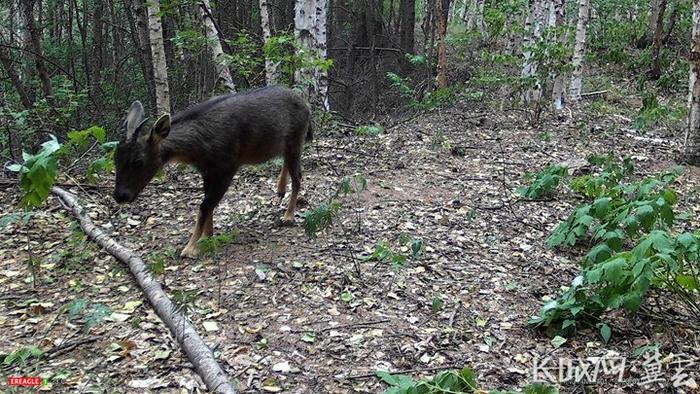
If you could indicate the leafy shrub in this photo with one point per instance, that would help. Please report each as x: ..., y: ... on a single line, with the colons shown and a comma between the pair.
x: 38, y: 173
x: 369, y: 130
x: 448, y: 382
x: 634, y: 248
x: 544, y: 182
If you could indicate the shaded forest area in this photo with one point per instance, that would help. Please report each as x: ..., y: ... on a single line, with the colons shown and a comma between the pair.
x: 497, y: 196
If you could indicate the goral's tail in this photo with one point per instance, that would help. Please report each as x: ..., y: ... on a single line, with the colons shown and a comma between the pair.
x: 309, y: 132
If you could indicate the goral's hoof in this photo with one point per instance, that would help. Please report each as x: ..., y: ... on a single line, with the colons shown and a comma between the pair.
x: 287, y: 220
x: 190, y: 252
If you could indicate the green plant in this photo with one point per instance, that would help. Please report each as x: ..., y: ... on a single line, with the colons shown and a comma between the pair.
x: 21, y: 356
x: 369, y: 130
x: 448, y: 382
x: 383, y: 253
x: 209, y: 245
x: 290, y: 57
x: 544, y: 182
x: 38, y: 173
x: 323, y: 217
x: 635, y: 249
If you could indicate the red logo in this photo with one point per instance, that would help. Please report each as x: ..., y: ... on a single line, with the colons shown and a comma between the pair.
x: 24, y: 381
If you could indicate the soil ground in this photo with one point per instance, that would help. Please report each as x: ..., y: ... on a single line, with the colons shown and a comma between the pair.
x: 301, y: 315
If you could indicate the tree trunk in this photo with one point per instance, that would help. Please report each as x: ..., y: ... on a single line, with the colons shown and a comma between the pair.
x: 654, y: 12
x: 222, y: 71
x: 479, y: 16
x: 11, y: 71
x: 672, y: 19
x: 160, y: 72
x: 576, y: 83
x: 441, y: 9
x: 35, y: 43
x: 533, y: 32
x: 145, y: 49
x: 407, y: 25
x: 692, y: 137
x: 655, y: 71
x: 558, y: 19
x: 310, y: 19
x: 265, y: 25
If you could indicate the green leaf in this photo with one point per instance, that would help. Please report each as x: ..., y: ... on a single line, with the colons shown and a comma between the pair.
x: 605, y: 332
x: 346, y: 296
x: 557, y: 341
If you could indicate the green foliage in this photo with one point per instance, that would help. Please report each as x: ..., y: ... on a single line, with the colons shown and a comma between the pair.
x: 635, y: 250
x: 544, y: 182
x: 429, y: 100
x: 289, y: 56
x: 21, y: 356
x: 321, y: 218
x: 209, y: 245
x: 383, y: 252
x: 38, y: 173
x: 448, y: 382
x: 92, y: 317
x: 653, y: 113
x: 369, y: 130
x: 245, y: 56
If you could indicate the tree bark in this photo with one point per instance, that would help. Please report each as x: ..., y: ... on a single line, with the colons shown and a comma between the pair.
x: 654, y: 12
x: 35, y: 42
x: 576, y: 83
x: 310, y: 18
x: 558, y: 19
x: 160, y: 72
x: 692, y: 136
x: 222, y: 70
x: 196, y: 350
x: 265, y: 25
x: 407, y: 25
x: 655, y: 71
x: 533, y: 32
x: 144, y: 42
x: 441, y: 9
x: 10, y: 70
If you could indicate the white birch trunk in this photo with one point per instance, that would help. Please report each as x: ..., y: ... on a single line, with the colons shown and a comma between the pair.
x: 576, y: 83
x: 692, y: 136
x: 270, y: 67
x: 160, y: 72
x: 217, y: 52
x: 533, y: 32
x: 479, y: 17
x: 470, y: 13
x: 310, y: 17
x: 557, y: 18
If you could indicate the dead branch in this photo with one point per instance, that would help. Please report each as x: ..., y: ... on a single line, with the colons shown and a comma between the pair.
x: 196, y: 350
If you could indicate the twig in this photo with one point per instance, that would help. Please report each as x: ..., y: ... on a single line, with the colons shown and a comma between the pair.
x: 68, y: 346
x: 360, y: 324
x: 405, y: 371
x: 599, y: 92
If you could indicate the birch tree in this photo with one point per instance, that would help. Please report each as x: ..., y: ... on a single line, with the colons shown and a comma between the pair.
x: 270, y: 67
x: 557, y: 19
x: 576, y: 83
x: 160, y: 72
x: 692, y: 137
x: 533, y: 32
x: 310, y: 17
x: 217, y: 52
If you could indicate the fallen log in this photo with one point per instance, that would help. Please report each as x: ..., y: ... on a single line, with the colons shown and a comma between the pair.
x: 196, y: 350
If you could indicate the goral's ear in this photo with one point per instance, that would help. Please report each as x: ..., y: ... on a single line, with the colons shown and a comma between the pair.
x: 161, y: 128
x: 134, y: 119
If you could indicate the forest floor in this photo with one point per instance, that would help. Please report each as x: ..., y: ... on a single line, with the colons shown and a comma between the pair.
x: 285, y: 312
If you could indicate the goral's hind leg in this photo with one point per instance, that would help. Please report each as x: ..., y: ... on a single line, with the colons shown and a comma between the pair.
x: 293, y: 164
x: 282, y: 182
